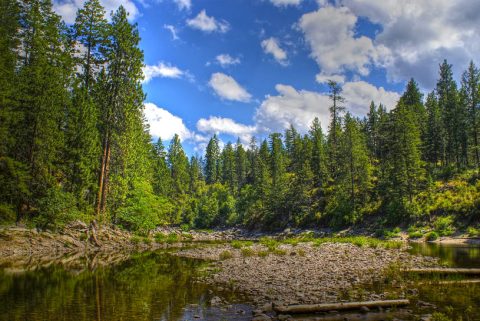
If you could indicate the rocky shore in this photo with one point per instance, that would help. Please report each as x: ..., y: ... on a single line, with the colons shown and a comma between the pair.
x: 303, y: 273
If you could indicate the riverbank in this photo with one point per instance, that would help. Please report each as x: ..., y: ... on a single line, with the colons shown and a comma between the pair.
x: 304, y: 273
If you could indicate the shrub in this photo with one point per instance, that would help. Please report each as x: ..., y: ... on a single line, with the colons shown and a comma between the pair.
x: 226, y: 255
x: 431, y: 236
x: 473, y: 232
x: 444, y: 225
x: 262, y: 253
x: 414, y: 232
x: 247, y: 251
x: 160, y: 237
x: 172, y: 238
x: 135, y: 239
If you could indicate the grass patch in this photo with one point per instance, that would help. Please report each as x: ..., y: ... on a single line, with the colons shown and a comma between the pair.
x: 360, y: 241
x: 136, y: 239
x: 226, y: 255
x: 279, y: 252
x: 247, y: 251
x: 164, y: 238
x: 262, y: 253
x: 270, y: 243
x: 240, y: 244
x: 415, y: 232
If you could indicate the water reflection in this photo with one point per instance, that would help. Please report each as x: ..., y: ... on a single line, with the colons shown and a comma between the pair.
x: 467, y: 256
x: 149, y: 286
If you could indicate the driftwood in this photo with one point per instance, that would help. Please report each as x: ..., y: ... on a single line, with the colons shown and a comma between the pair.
x: 452, y: 282
x: 313, y: 308
x: 371, y: 316
x: 443, y: 271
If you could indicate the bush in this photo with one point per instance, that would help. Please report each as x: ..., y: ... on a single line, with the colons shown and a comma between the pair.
x: 226, y: 255
x: 247, y: 251
x: 444, y: 225
x: 414, y: 232
x: 7, y: 214
x: 432, y: 236
x: 56, y: 208
x: 473, y: 232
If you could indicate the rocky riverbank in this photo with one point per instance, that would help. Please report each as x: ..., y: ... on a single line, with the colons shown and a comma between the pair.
x: 303, y: 273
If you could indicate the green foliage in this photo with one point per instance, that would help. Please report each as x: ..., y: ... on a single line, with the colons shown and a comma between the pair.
x: 415, y: 232
x: 143, y: 210
x: 444, y: 226
x: 438, y: 316
x: 241, y: 244
x: 431, y: 236
x: 473, y: 232
x: 56, y: 208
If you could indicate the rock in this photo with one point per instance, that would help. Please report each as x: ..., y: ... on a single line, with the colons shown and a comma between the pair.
x: 284, y: 317
x: 262, y: 317
x: 364, y: 309
x: 215, y: 301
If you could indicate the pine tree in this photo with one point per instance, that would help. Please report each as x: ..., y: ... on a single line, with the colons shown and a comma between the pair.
x: 334, y: 131
x: 212, y: 161
x: 121, y: 106
x: 471, y: 94
x: 240, y: 165
x: 228, y: 167
x: 162, y: 181
x: 178, y: 163
x: 434, y: 139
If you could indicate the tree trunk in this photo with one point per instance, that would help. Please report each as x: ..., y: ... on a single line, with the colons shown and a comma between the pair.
x: 325, y: 307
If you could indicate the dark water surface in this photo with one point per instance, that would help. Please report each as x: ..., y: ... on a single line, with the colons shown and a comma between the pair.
x: 148, y: 286
x: 160, y: 286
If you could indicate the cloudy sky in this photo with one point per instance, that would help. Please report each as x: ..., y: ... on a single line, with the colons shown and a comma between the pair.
x: 248, y: 67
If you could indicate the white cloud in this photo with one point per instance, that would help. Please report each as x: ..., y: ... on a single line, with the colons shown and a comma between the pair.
x: 415, y: 36
x: 226, y: 87
x: 217, y: 125
x: 164, y: 124
x: 161, y: 70
x: 324, y: 78
x: 226, y: 60
x: 291, y: 106
x: 284, y: 3
x: 271, y: 46
x: 208, y: 24
x: 183, y: 4
x: 172, y: 30
x: 67, y: 9
x: 359, y: 94
x: 330, y: 33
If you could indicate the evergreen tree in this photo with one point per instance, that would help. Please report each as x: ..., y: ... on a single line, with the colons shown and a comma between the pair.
x: 471, y: 97
x: 434, y: 138
x: 212, y: 161
x: 228, y: 167
x: 162, y: 181
x: 122, y: 125
x: 336, y: 110
x: 240, y: 165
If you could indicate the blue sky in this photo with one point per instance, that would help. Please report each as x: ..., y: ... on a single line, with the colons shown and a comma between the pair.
x: 243, y: 68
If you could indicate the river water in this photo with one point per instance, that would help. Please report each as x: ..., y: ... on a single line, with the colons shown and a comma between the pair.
x: 160, y: 286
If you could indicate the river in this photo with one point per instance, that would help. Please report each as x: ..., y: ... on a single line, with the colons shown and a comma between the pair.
x: 159, y: 286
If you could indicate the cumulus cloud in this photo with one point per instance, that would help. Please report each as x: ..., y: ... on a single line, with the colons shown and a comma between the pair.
x: 67, y: 9
x: 226, y: 60
x: 284, y: 3
x: 161, y: 70
x: 227, y: 88
x: 217, y: 125
x: 271, y: 46
x: 359, y: 94
x: 183, y: 4
x: 330, y: 33
x: 172, y: 30
x: 208, y: 24
x: 415, y: 36
x: 291, y: 106
x: 165, y: 125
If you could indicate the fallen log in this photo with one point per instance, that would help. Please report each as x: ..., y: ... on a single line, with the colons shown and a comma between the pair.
x: 452, y: 282
x: 324, y: 307
x: 443, y: 271
x: 371, y: 316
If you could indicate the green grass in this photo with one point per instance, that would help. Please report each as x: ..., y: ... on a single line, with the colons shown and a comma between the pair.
x: 164, y: 238
x: 136, y: 239
x: 240, y: 244
x: 247, y: 251
x: 226, y: 255
x: 360, y: 241
x: 270, y: 243
x: 262, y: 253
x: 415, y: 232
x: 444, y: 225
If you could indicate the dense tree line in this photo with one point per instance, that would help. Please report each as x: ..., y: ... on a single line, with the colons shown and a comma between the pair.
x: 74, y: 143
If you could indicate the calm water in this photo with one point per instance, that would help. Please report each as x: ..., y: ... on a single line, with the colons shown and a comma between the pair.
x: 159, y: 286
x: 149, y: 286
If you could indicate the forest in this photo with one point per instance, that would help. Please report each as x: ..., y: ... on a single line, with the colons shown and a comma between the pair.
x: 74, y: 144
